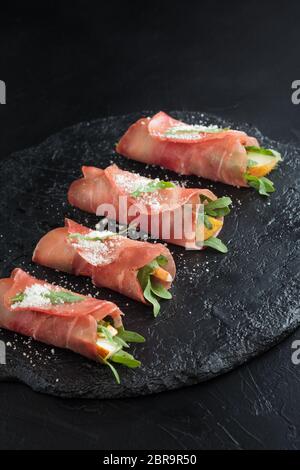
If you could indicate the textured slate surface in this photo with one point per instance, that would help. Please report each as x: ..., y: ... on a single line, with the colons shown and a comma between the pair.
x: 226, y: 308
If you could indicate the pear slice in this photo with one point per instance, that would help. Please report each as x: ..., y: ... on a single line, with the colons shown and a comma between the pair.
x: 162, y: 275
x: 262, y: 161
x: 216, y: 224
x: 105, y: 348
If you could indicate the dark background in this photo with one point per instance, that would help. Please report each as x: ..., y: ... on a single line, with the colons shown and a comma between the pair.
x: 74, y: 61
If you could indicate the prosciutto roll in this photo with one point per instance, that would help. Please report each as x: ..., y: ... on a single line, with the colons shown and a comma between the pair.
x: 163, y: 209
x: 225, y: 155
x: 62, y: 318
x: 139, y: 270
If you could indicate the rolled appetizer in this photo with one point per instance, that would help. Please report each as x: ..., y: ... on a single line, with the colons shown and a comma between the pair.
x: 140, y: 270
x: 62, y: 318
x: 225, y: 155
x: 166, y: 210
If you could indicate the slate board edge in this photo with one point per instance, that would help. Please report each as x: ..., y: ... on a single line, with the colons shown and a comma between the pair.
x: 182, y: 381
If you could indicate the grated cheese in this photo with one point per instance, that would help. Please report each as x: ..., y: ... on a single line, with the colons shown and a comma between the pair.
x: 150, y: 199
x: 190, y: 132
x: 131, y: 182
x: 99, y: 234
x: 97, y: 252
x: 34, y: 297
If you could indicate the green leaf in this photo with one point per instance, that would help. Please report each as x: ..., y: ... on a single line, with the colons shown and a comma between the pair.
x: 217, y: 208
x: 148, y: 294
x: 114, y: 371
x: 17, y: 298
x: 153, y: 186
x: 219, y: 203
x: 159, y: 290
x: 152, y: 288
x: 207, y: 222
x: 261, y: 150
x: 114, y: 340
x: 162, y: 260
x: 145, y: 272
x: 102, y: 323
x: 222, y: 211
x: 204, y: 199
x: 102, y: 329
x: 130, y: 336
x: 62, y: 297
x: 262, y: 184
x: 216, y: 244
x: 122, y: 357
x: 120, y: 342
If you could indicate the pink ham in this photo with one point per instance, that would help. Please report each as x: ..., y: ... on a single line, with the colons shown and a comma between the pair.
x: 217, y: 156
x: 116, y: 267
x: 72, y: 326
x: 103, y: 188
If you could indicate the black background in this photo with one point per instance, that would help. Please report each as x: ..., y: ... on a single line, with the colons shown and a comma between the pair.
x: 73, y: 61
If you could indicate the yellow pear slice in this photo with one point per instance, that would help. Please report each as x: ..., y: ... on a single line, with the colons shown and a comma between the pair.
x: 261, y: 164
x: 216, y: 225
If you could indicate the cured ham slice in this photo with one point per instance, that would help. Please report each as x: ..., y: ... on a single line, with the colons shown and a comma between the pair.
x: 165, y: 210
x: 209, y: 152
x: 62, y: 318
x: 54, y: 315
x: 109, y: 259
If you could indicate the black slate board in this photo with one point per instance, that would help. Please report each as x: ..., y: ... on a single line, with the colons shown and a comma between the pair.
x: 226, y: 308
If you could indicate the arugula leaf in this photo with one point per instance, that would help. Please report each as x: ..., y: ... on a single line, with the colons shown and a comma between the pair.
x: 145, y: 272
x: 162, y: 260
x: 102, y: 329
x: 151, y: 298
x: 217, y: 208
x: 114, y: 371
x: 115, y: 340
x: 159, y: 290
x: 130, y: 336
x: 207, y: 222
x: 204, y: 199
x: 219, y: 203
x: 222, y: 211
x: 262, y: 184
x: 152, y: 289
x: 62, y: 297
x: 216, y: 244
x: 119, y: 341
x: 122, y: 357
x: 18, y: 298
x: 261, y: 150
x: 153, y: 186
